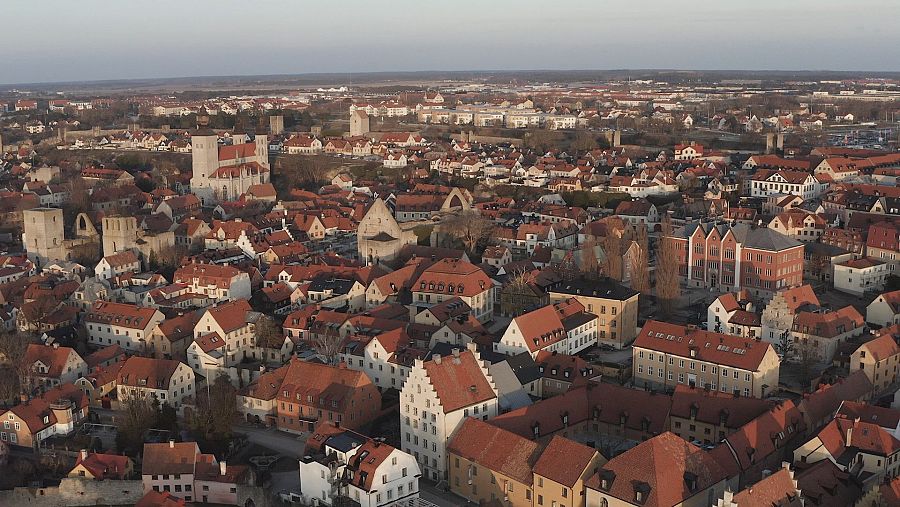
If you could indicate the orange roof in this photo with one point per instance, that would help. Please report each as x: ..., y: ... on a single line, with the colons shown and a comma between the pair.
x: 717, y: 348
x: 120, y: 314
x: 147, y: 372
x: 104, y: 466
x: 564, y: 461
x: 882, y: 347
x: 235, y: 151
x: 660, y: 469
x: 497, y: 449
x: 863, y: 437
x: 231, y: 315
x: 453, y: 276
x: 778, y: 489
x: 458, y: 380
x: 54, y: 358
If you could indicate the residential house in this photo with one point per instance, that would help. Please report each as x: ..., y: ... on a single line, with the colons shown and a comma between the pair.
x: 167, y: 380
x: 564, y: 327
x: 666, y: 355
x: 438, y: 396
x: 126, y: 325
x: 615, y: 305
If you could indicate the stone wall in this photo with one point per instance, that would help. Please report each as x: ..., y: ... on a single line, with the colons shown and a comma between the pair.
x: 76, y: 492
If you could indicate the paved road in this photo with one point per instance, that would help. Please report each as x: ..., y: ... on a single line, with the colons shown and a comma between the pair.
x: 284, y: 443
x: 441, y: 498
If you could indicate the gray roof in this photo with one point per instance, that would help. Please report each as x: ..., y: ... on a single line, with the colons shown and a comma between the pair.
x: 764, y: 238
x: 761, y: 238
x: 524, y: 367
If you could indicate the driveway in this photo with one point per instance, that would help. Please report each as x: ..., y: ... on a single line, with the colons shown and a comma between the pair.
x: 286, y: 444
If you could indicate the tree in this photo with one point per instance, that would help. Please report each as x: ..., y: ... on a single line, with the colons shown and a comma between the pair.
x: 215, y: 411
x: 613, y: 263
x: 584, y: 141
x: 13, y: 347
x: 470, y: 228
x: 268, y: 334
x: 138, y: 414
x: 166, y: 260
x: 640, y: 265
x: 590, y: 268
x: 328, y: 343
x: 667, y: 283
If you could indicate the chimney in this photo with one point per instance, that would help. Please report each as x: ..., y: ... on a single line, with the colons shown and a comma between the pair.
x: 55, y: 345
x: 171, y: 444
x: 849, y: 436
x: 436, y: 358
x: 83, y: 454
x: 455, y: 352
x: 222, y: 467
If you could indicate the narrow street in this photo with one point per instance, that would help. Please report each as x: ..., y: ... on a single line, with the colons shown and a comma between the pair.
x: 287, y: 444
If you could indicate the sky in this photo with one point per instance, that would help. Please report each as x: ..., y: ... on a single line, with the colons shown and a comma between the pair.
x: 86, y: 40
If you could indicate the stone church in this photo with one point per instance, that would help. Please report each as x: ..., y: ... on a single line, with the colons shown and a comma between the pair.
x: 380, y: 237
x: 225, y: 172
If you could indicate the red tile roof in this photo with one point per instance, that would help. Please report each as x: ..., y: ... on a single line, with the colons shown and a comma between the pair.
x: 641, y: 411
x: 104, y: 466
x: 564, y: 461
x: 497, y: 449
x: 459, y: 381
x: 662, y: 468
x: 170, y: 458
x: 453, y: 277
x: 147, y: 372
x: 54, y: 358
x: 717, y: 348
x: 778, y: 490
x: 231, y: 315
x: 120, y: 314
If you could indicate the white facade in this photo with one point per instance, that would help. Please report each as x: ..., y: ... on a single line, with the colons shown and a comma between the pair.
x: 426, y: 426
x: 859, y: 280
x: 395, y: 478
x: 180, y: 385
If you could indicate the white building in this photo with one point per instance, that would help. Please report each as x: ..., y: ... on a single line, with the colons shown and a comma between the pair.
x: 128, y: 326
x: 223, y: 173
x: 802, y: 184
x: 564, y: 327
x: 437, y: 396
x: 167, y: 380
x: 860, y: 276
x: 367, y: 471
x: 885, y: 310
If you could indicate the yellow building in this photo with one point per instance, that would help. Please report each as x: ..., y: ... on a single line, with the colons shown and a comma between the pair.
x: 667, y: 355
x: 615, y: 305
x: 879, y: 359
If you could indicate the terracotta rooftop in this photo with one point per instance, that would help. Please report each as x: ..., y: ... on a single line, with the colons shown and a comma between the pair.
x: 496, y: 449
x: 664, y: 470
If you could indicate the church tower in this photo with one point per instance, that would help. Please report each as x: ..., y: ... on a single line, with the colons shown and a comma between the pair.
x: 204, y: 152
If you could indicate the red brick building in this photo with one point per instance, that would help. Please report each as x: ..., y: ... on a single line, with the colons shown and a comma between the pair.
x: 299, y: 395
x: 731, y: 258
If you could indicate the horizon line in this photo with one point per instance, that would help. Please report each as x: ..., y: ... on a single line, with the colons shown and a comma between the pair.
x: 446, y: 71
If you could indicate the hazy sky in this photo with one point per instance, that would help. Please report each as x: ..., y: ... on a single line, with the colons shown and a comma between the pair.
x: 69, y: 40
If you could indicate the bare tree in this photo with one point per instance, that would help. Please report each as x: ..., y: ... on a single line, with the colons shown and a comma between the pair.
x: 590, y: 267
x: 613, y: 264
x: 13, y: 347
x: 640, y: 265
x: 138, y: 414
x: 517, y: 295
x: 584, y: 141
x: 328, y: 343
x: 268, y: 334
x: 470, y: 228
x: 215, y: 411
x: 667, y: 283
